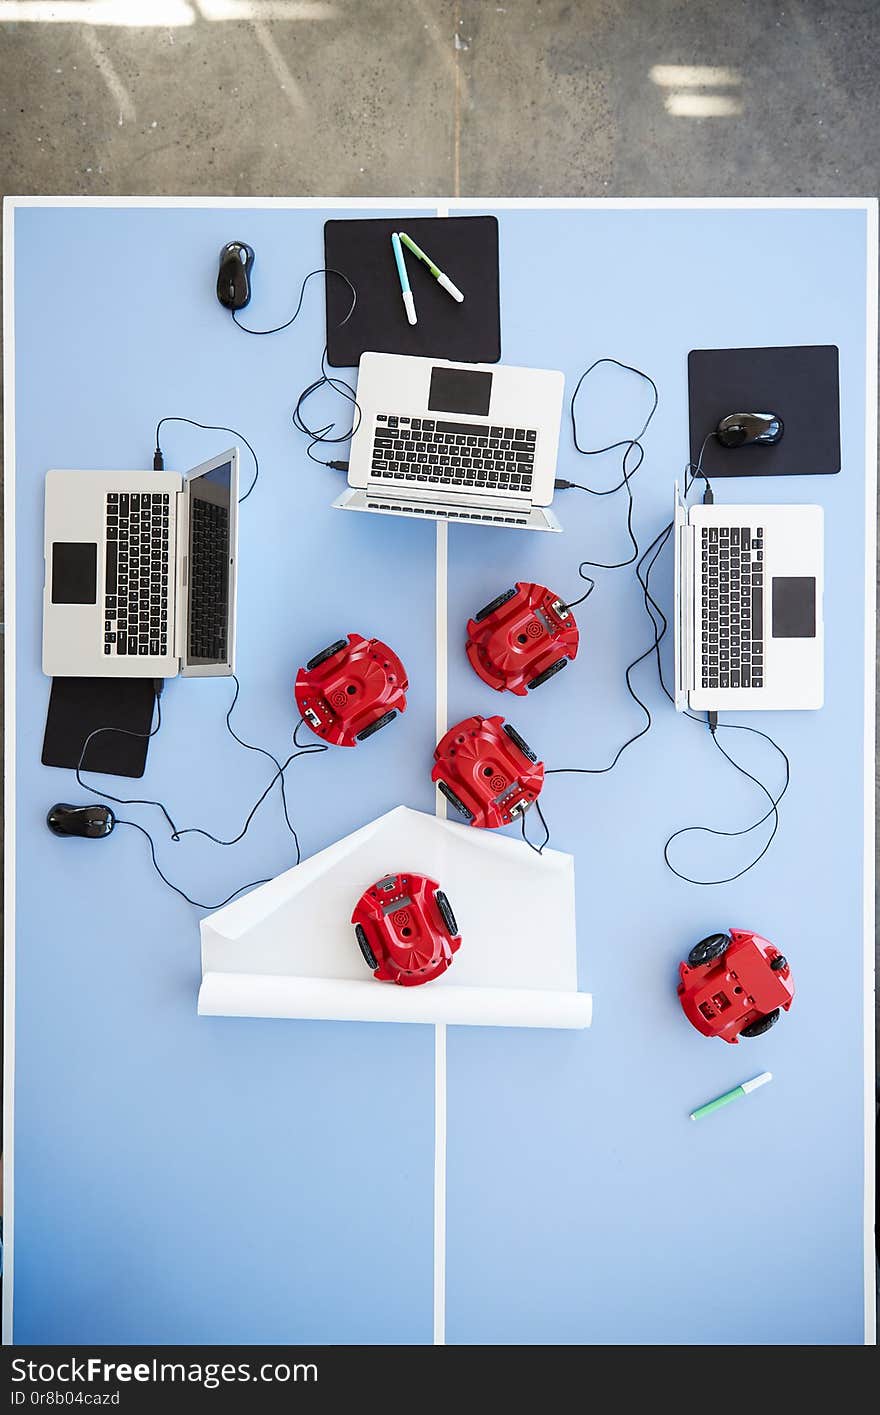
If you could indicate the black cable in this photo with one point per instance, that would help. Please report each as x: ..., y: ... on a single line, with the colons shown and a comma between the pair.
x: 656, y: 546
x: 645, y: 563
x: 282, y: 767
x: 325, y: 379
x: 322, y: 434
x: 321, y: 270
x: 660, y: 627
x: 165, y: 880
x: 631, y: 445
x: 538, y: 849
x: 626, y: 442
x: 746, y: 830
x: 125, y: 732
x: 308, y: 749
x: 159, y: 461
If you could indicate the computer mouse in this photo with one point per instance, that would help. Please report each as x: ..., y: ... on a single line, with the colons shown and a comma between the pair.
x: 745, y: 429
x: 90, y: 822
x: 234, y: 276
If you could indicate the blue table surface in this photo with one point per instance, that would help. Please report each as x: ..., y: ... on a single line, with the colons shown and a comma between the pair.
x: 180, y: 1179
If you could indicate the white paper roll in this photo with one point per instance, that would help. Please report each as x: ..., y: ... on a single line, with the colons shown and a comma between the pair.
x: 346, y: 1000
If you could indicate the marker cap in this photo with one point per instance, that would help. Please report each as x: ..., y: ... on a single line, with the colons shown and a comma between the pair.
x: 450, y: 289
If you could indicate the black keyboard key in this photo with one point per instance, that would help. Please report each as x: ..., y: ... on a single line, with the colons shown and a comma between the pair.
x: 462, y: 429
x: 110, y: 567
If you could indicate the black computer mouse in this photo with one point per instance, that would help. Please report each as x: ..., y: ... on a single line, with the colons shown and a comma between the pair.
x: 234, y: 276
x: 90, y: 822
x: 743, y: 429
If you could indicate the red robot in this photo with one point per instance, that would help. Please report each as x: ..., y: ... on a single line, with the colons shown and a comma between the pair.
x: 351, y: 690
x: 733, y: 985
x: 406, y: 929
x: 521, y: 639
x: 487, y: 772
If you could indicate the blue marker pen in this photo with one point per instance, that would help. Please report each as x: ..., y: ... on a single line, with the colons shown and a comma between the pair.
x: 409, y: 303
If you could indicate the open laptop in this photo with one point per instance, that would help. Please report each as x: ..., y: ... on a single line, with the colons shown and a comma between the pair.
x: 748, y: 607
x: 140, y: 572
x: 475, y: 443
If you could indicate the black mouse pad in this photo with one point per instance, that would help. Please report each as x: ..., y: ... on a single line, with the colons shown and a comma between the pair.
x: 466, y: 250
x: 799, y: 383
x: 77, y: 706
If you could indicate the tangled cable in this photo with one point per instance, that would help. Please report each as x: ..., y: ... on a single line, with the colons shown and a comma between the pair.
x: 645, y: 562
x: 177, y: 833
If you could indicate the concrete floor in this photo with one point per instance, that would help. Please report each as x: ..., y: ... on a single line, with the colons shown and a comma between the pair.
x: 524, y: 97
x: 402, y: 97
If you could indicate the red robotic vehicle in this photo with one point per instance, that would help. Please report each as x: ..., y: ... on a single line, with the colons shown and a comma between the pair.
x: 406, y: 929
x: 734, y: 985
x: 351, y: 689
x: 522, y: 638
x: 487, y: 772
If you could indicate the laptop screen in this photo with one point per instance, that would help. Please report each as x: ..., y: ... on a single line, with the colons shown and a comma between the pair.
x: 210, y: 566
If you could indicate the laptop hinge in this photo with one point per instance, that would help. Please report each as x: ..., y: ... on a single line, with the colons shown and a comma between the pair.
x: 441, y: 496
x: 181, y: 571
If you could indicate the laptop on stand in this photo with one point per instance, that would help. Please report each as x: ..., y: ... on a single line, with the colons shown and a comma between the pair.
x: 475, y: 443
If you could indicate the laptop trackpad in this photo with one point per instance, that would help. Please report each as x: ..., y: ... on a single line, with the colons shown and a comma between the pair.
x: 794, y: 607
x: 74, y: 572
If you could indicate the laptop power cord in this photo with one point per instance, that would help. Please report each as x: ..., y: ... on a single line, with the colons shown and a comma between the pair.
x: 159, y: 458
x: 645, y: 562
x: 300, y: 750
x: 328, y: 433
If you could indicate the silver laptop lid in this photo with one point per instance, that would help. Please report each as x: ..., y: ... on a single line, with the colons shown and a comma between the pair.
x: 207, y: 567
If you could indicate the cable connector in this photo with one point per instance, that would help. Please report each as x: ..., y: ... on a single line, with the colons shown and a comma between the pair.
x: 561, y: 484
x: 708, y: 494
x: 712, y: 719
x: 337, y: 466
x: 158, y: 460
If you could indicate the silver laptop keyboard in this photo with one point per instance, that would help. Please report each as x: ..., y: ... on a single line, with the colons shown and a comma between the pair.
x: 465, y: 455
x: 137, y: 571
x: 732, y: 566
x: 447, y: 513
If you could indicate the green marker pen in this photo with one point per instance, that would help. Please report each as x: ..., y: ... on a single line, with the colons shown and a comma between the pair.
x: 734, y: 1095
x: 435, y: 270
